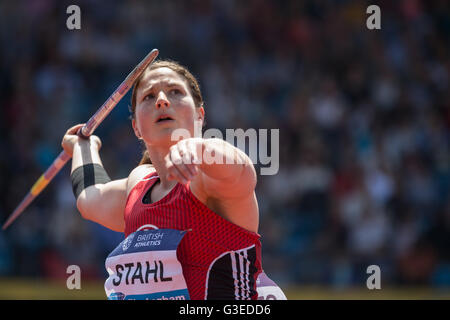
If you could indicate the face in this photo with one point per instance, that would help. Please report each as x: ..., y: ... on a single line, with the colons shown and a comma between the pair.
x: 164, y: 103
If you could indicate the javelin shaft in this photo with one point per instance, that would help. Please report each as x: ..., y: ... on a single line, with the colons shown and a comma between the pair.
x: 38, y: 186
x: 85, y: 131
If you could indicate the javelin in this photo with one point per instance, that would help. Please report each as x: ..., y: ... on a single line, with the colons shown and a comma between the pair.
x: 84, y: 132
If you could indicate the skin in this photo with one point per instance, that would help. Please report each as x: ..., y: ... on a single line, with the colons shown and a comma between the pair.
x: 228, y: 188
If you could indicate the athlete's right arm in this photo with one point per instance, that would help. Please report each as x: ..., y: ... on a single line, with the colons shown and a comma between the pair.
x: 101, y: 203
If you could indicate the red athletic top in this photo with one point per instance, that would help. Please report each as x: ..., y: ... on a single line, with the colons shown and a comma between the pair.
x: 220, y: 260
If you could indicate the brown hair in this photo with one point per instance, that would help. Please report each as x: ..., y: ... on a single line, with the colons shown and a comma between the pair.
x: 182, y: 71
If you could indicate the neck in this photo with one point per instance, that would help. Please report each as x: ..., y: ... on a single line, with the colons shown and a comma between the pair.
x: 157, y: 154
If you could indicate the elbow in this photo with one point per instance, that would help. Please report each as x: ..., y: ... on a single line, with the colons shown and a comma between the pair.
x: 82, y: 207
x: 247, y: 174
x: 248, y: 177
x: 249, y: 170
x: 253, y: 177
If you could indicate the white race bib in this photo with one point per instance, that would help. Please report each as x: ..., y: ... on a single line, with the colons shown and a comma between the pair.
x: 267, y: 289
x: 144, y: 266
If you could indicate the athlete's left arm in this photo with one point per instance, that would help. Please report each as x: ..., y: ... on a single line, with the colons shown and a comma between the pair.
x: 227, y: 171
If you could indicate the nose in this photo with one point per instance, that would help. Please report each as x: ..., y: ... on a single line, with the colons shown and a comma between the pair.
x: 162, y: 100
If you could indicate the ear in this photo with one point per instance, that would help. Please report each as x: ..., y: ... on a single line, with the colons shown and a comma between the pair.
x: 200, y: 113
x: 135, y: 128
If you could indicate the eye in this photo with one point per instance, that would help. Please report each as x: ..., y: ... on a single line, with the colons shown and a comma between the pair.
x: 148, y: 96
x: 175, y: 91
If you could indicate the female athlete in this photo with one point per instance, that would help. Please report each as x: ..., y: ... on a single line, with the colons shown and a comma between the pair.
x: 188, y: 210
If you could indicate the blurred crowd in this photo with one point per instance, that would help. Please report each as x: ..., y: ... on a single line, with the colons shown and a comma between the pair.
x: 364, y: 120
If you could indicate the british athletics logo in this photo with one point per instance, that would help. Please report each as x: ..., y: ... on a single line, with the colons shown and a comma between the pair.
x: 145, y: 266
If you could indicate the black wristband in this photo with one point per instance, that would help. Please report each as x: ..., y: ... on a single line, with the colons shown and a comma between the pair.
x: 88, y: 175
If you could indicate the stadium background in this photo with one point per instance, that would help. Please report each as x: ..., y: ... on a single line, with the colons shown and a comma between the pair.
x: 363, y: 115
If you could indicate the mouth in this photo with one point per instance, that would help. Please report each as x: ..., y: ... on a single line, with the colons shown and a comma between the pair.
x: 164, y: 119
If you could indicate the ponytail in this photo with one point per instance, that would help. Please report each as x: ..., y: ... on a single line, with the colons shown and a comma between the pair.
x: 145, y: 158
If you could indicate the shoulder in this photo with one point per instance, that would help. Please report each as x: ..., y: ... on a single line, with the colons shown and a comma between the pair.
x: 138, y: 174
